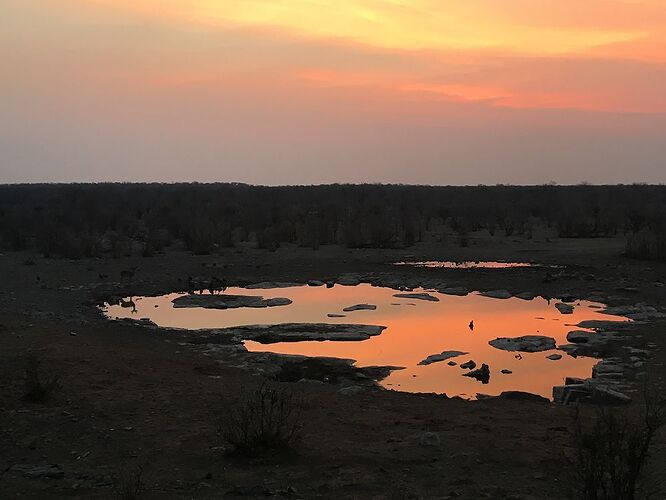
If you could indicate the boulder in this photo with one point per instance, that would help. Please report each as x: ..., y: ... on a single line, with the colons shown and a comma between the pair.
x: 417, y: 296
x: 360, y: 307
x: 526, y: 343
x: 469, y: 365
x: 526, y: 296
x: 336, y: 315
x: 506, y: 371
x: 435, y: 358
x: 554, y: 357
x: 481, y: 374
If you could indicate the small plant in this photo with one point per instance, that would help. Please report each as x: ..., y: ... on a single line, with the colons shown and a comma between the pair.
x: 38, y: 387
x: 261, y: 419
x: 612, y: 450
x: 129, y: 484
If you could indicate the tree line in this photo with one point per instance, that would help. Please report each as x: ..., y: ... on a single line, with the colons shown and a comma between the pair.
x: 91, y: 220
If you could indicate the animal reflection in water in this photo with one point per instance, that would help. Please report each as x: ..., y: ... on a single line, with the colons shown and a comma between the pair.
x: 129, y: 303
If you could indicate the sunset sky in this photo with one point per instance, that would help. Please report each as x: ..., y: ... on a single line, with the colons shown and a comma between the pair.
x: 315, y: 91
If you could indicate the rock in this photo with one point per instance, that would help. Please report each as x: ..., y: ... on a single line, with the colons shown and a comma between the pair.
x: 526, y: 296
x: 523, y: 396
x: 336, y: 315
x: 360, y: 307
x: 223, y: 301
x: 430, y: 439
x: 434, y: 358
x: 272, y: 284
x: 604, y: 394
x: 554, y: 357
x: 589, y: 390
x: 481, y: 374
x: 452, y: 363
x: 497, y: 294
x: 469, y: 365
x: 605, y: 368
x: 505, y: 371
x: 459, y: 291
x: 417, y: 296
x: 349, y: 280
x: 637, y: 312
x: 350, y: 390
x: 579, y: 336
x: 564, y: 308
x: 315, y: 283
x: 526, y: 343
x: 39, y: 472
x: 294, y: 332
x: 602, y: 324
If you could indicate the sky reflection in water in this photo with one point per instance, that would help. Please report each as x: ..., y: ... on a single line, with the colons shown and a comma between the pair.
x: 416, y: 329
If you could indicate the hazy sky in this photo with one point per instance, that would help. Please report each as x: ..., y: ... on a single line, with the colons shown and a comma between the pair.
x: 319, y: 91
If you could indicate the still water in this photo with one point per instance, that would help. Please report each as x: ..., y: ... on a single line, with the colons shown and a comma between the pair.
x: 415, y: 330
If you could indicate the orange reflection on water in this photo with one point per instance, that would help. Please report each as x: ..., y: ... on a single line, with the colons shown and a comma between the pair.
x: 415, y: 330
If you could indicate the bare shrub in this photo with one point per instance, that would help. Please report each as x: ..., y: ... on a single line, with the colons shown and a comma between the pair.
x: 129, y: 484
x: 612, y: 449
x: 261, y: 419
x: 38, y: 387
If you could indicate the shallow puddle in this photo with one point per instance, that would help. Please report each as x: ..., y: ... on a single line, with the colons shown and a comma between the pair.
x: 415, y: 330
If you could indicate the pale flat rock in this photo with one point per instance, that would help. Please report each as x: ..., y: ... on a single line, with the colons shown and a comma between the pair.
x: 435, y: 358
x: 526, y: 343
x: 417, y: 296
x: 360, y: 307
x: 296, y: 332
x: 223, y: 301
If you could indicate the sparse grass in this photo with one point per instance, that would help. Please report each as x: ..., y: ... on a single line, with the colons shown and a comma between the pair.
x: 129, y: 484
x: 38, y: 386
x: 612, y: 450
x: 267, y: 418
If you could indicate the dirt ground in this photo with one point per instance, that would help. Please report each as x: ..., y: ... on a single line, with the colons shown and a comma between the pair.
x: 130, y: 397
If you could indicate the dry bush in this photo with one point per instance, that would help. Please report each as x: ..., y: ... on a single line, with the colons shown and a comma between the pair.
x: 612, y: 449
x: 261, y: 419
x: 38, y: 386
